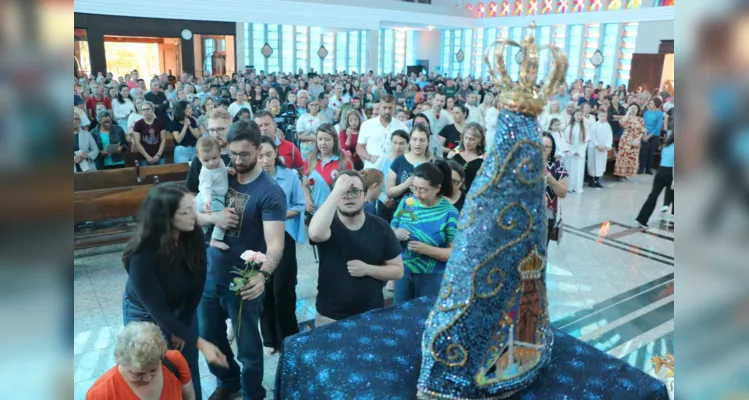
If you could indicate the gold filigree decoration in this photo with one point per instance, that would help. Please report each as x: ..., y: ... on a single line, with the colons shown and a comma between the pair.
x: 495, y: 178
x: 520, y: 96
x: 464, y: 307
x: 490, y: 282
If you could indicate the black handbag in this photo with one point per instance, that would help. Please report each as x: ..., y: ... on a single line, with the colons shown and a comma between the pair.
x: 556, y: 231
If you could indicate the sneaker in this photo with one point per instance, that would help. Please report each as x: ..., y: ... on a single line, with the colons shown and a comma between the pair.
x: 225, y: 394
x: 597, y: 184
x: 641, y: 225
x: 664, y: 208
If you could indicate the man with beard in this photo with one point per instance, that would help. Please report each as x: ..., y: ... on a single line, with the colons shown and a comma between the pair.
x: 256, y: 205
x: 359, y: 252
x: 375, y: 133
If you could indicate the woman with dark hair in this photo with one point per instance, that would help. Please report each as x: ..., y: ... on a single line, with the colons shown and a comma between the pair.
x: 459, y: 188
x: 426, y: 223
x: 556, y: 182
x: 123, y: 106
x: 628, y: 152
x: 451, y: 134
x: 208, y: 105
x: 184, y: 129
x: 166, y: 266
x: 653, y: 118
x: 278, y: 319
x: 322, y: 166
x: 105, y: 135
x: 399, y: 177
x: 243, y: 113
x: 257, y: 97
x: 664, y: 179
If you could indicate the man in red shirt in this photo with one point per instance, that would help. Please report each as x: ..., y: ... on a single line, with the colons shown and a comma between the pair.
x: 291, y: 155
x: 98, y: 97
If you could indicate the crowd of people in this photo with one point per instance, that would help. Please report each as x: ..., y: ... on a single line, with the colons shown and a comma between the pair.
x: 372, y: 170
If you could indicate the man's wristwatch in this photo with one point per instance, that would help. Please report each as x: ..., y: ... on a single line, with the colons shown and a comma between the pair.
x: 266, y: 274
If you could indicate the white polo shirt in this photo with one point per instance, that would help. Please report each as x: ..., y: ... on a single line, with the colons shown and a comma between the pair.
x: 376, y: 137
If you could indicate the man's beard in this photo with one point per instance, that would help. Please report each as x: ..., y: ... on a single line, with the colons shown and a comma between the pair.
x: 351, y: 213
x: 245, y: 169
x: 386, y: 117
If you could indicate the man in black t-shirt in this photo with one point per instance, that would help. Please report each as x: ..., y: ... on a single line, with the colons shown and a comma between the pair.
x: 358, y: 252
x: 158, y: 98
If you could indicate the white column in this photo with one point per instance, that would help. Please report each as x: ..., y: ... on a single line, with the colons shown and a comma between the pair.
x: 239, y: 47
x: 373, y: 56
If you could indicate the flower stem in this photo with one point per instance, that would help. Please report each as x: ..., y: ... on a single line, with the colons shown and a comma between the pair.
x: 239, y: 322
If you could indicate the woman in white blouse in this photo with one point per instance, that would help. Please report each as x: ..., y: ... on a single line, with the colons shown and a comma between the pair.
x: 122, y: 106
x: 306, y: 127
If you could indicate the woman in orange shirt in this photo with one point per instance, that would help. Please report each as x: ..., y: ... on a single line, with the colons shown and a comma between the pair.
x: 145, y: 369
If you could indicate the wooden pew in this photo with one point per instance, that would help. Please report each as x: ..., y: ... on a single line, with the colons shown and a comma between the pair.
x: 94, y: 180
x: 98, y: 199
x: 154, y: 174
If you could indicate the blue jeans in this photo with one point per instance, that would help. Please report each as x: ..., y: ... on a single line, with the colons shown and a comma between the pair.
x: 218, y: 302
x: 132, y: 312
x: 183, y: 154
x: 412, y: 286
x: 144, y: 163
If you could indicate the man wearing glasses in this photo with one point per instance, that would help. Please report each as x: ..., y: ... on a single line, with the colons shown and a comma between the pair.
x: 359, y: 252
x: 218, y: 121
x: 255, y: 219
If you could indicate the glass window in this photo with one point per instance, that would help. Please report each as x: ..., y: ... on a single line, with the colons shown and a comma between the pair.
x: 513, y: 68
x: 388, y: 51
x: 633, y: 4
x: 247, y: 47
x: 595, y: 5
x: 400, y: 51
x: 562, y: 6
x: 363, y: 51
x: 314, y: 46
x: 532, y: 7
x: 410, y: 48
x: 353, y: 52
x: 341, y: 56
x: 446, y: 51
x: 574, y: 52
x: 208, y: 64
x: 379, y: 52
x: 328, y: 63
x: 610, y: 33
x: 287, y: 48
x: 626, y: 49
x: 274, y: 61
x: 614, y: 5
x: 592, y: 37
x: 547, y: 7
x: 544, y: 39
x: 478, y: 52
x: 465, y: 66
x: 258, y: 41
x: 302, y: 48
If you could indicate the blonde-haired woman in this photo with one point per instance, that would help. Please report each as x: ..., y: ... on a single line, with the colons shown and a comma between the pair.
x: 470, y: 154
x: 322, y: 166
x: 145, y: 368
x: 349, y: 136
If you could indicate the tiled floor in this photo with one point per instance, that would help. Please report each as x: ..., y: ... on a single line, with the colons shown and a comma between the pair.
x: 610, y: 284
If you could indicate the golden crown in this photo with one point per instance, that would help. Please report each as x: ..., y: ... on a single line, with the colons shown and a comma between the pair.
x: 520, y: 96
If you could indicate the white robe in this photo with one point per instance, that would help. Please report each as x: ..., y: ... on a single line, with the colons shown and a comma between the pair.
x: 600, y: 135
x: 589, y: 121
x: 546, y: 118
x: 491, y: 118
x: 574, y: 160
x: 560, y: 143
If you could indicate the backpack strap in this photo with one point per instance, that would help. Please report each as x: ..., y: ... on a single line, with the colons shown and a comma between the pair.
x: 170, y: 366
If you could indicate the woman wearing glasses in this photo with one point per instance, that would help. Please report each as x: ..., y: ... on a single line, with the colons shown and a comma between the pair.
x: 149, y: 137
x: 426, y: 223
x: 322, y: 167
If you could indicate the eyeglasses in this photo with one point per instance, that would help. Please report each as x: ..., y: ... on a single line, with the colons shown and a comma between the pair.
x: 243, y: 156
x: 214, y: 131
x: 457, y: 182
x: 146, y: 108
x: 353, y: 194
x: 419, y: 190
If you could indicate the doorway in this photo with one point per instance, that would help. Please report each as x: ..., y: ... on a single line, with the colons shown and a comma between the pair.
x: 149, y: 55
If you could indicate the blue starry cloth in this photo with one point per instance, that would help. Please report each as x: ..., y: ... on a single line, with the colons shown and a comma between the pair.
x: 377, y: 356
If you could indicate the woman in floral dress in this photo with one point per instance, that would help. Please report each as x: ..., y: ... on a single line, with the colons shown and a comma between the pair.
x: 628, y: 155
